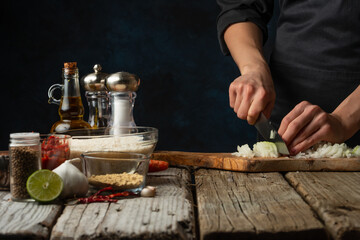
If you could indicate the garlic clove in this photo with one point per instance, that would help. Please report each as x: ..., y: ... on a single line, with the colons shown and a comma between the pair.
x: 75, y: 182
x: 148, y: 192
x: 76, y: 162
x: 151, y: 188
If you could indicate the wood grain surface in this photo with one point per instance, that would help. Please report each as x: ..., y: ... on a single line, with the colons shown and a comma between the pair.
x: 169, y: 215
x: 335, y: 197
x: 20, y: 220
x: 233, y: 205
x: 227, y: 161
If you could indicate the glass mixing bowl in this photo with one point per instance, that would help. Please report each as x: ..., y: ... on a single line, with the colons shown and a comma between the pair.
x: 122, y: 139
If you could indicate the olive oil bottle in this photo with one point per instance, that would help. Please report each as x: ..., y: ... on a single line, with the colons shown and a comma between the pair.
x: 71, y: 109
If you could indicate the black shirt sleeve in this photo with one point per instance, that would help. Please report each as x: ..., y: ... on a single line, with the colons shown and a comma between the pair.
x: 234, y: 11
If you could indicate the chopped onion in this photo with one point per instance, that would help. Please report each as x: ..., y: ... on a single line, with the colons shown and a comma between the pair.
x: 244, y: 151
x: 320, y: 150
x: 327, y: 150
x: 265, y: 149
x: 356, y: 151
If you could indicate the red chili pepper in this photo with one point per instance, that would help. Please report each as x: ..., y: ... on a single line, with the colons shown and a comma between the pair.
x: 91, y: 200
x: 107, y: 198
x: 157, y: 165
x: 102, y: 190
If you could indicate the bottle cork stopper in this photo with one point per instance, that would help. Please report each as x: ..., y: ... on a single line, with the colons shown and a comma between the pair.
x: 70, y: 65
x: 70, y: 68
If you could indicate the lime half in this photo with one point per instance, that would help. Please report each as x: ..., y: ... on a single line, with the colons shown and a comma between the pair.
x: 44, y: 185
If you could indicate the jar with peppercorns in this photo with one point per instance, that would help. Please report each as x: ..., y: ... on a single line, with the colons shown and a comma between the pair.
x: 25, y: 159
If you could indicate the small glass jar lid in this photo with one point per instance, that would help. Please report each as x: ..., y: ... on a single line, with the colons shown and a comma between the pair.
x: 24, y: 138
x: 25, y: 135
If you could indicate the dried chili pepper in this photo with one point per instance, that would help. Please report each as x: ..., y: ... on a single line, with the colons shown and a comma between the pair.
x: 104, y: 198
x: 157, y: 165
x: 102, y: 190
x: 92, y: 200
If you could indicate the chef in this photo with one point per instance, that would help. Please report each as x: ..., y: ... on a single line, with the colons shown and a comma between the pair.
x: 310, y: 87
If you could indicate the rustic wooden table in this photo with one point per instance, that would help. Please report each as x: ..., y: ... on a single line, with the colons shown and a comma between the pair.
x: 203, y: 204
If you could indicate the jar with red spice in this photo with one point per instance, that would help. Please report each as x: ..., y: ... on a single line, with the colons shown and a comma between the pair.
x: 54, y: 151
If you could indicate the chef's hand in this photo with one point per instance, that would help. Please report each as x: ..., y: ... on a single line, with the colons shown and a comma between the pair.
x: 308, y: 124
x: 252, y: 93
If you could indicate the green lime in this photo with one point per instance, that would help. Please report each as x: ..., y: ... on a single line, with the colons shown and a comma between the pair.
x: 44, y: 185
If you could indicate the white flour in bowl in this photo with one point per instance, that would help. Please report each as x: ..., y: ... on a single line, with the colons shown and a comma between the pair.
x: 114, y: 143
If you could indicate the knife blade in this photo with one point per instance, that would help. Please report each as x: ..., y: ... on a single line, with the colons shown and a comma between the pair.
x: 269, y: 133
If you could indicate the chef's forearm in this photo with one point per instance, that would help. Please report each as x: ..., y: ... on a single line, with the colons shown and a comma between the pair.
x: 348, y: 112
x: 244, y: 41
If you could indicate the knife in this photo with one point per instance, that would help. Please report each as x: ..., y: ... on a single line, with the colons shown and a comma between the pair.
x: 269, y: 133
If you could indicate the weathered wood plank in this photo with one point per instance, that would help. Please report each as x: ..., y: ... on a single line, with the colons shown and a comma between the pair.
x: 5, y: 195
x: 169, y: 215
x: 335, y: 197
x: 233, y: 205
x: 20, y: 220
x: 227, y: 161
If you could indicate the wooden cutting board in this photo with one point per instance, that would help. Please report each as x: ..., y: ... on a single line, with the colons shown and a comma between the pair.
x: 227, y: 161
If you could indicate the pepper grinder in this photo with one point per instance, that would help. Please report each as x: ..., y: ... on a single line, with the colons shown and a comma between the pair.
x: 122, y: 87
x: 97, y: 97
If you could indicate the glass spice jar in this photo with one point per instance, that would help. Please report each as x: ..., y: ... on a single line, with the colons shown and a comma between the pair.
x: 25, y: 158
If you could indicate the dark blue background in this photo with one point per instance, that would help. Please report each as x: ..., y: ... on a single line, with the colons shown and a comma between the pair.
x: 171, y: 45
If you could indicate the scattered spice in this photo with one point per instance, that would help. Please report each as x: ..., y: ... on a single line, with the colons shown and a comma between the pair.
x: 117, y: 180
x: 24, y: 161
x: 104, y: 198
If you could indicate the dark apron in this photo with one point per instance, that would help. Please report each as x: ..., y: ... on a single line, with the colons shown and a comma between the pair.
x: 326, y: 89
